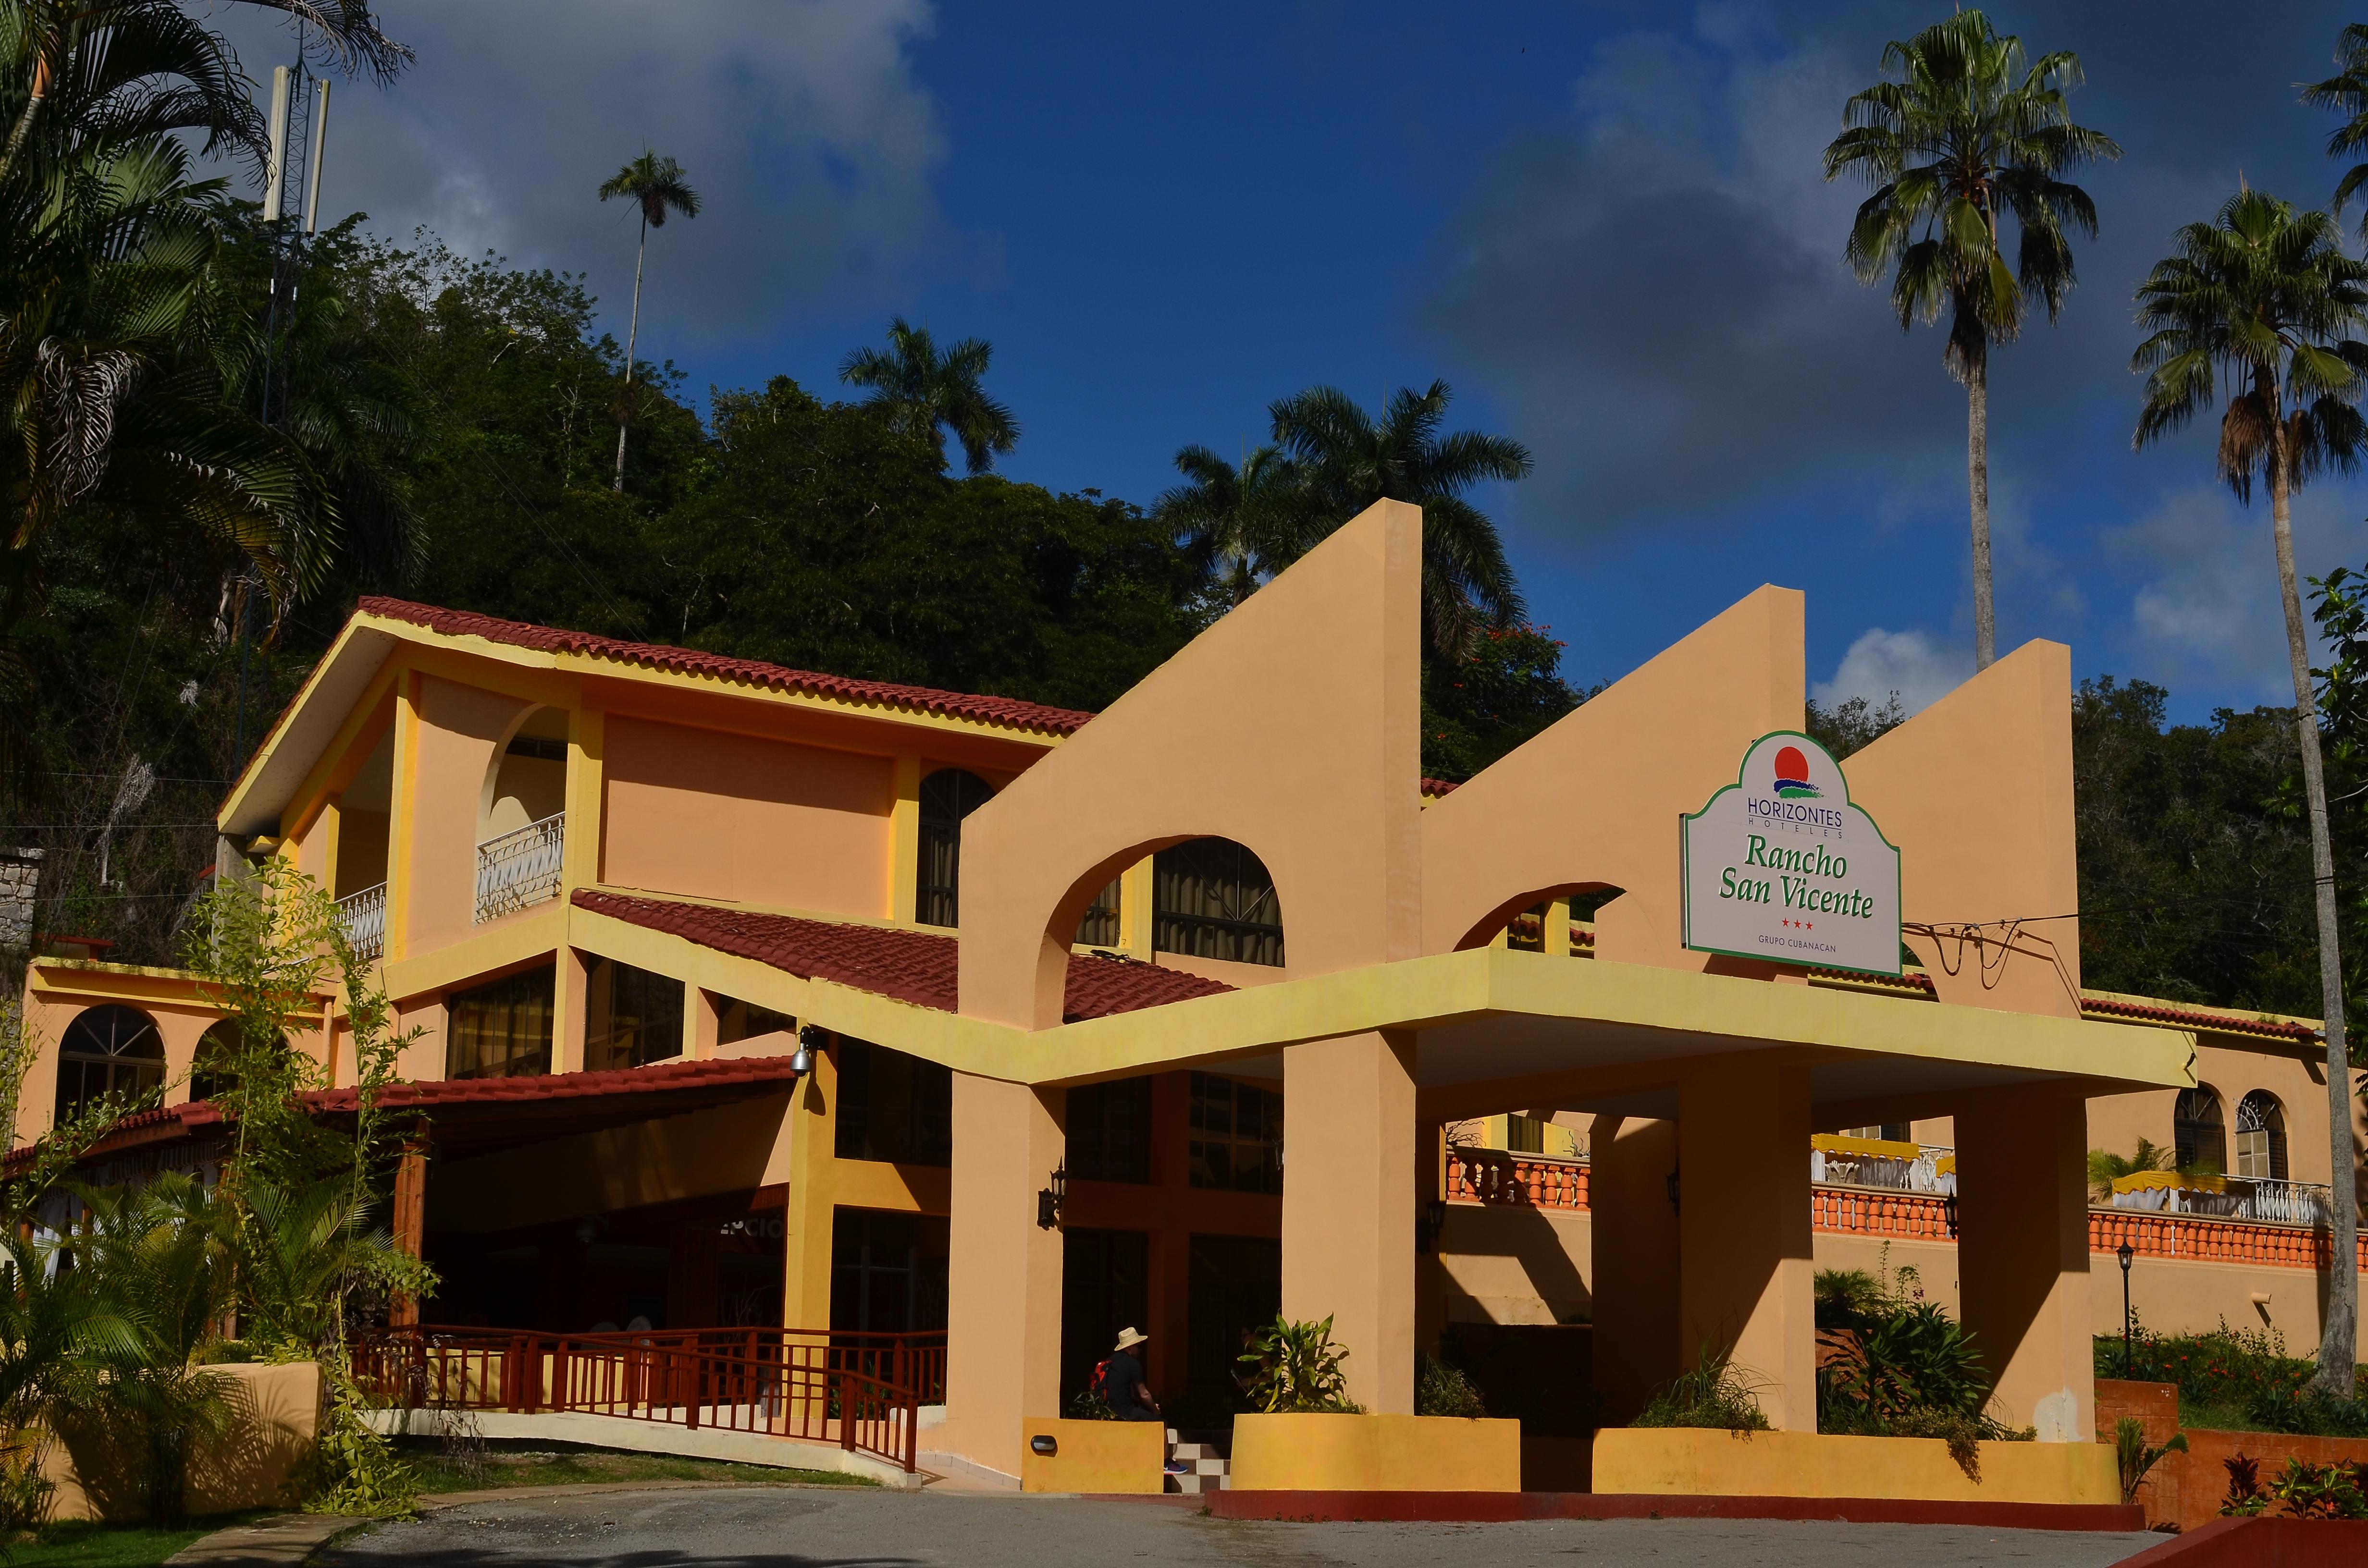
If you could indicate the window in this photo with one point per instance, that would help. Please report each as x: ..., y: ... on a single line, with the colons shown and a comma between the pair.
x: 632, y: 1017
x: 1525, y: 1134
x: 1105, y: 1287
x: 893, y: 1106
x: 1235, y: 1286
x: 1527, y: 932
x: 887, y: 1272
x: 1212, y: 898
x: 738, y: 1020
x: 212, y: 1074
x: 1237, y: 1136
x: 1100, y: 928
x: 2197, y: 1138
x: 1882, y: 1133
x: 501, y: 1030
x: 107, y: 1051
x: 947, y: 796
x: 2261, y: 1137
x: 1109, y: 1131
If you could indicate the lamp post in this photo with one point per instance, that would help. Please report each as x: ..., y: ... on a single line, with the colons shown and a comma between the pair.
x: 2125, y: 1251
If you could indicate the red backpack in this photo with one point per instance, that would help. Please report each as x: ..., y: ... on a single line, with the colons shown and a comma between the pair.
x: 1100, y: 1384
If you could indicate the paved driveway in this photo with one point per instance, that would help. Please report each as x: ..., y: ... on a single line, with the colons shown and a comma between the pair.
x: 785, y: 1528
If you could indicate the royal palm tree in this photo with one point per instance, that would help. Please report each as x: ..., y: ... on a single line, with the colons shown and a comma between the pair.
x: 1244, y: 524
x: 658, y: 186
x: 1970, y: 134
x: 2347, y: 93
x: 925, y: 393
x: 2263, y: 302
x: 1349, y: 460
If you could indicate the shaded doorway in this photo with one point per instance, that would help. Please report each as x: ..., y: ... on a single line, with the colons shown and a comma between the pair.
x: 1105, y: 1286
x: 1235, y: 1286
x: 887, y: 1272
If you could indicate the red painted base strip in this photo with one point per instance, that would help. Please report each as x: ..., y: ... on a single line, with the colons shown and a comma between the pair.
x: 2262, y: 1543
x: 1494, y: 1505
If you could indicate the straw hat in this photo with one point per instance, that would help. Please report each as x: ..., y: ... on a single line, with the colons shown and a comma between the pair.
x: 1128, y: 1339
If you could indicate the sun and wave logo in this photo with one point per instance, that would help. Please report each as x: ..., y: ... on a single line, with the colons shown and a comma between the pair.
x: 1793, y: 776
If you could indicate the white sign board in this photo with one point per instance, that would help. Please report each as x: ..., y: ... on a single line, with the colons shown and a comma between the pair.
x: 1781, y: 866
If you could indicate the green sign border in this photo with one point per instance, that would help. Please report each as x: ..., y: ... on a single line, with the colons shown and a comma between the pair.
x: 1685, y: 867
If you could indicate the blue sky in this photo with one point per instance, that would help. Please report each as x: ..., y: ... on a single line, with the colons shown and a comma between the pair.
x: 1604, y: 224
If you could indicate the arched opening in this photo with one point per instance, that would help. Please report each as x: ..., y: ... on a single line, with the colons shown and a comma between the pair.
x: 107, y: 1051
x: 215, y: 1071
x: 2198, y: 1137
x: 527, y: 781
x: 2261, y: 1136
x: 947, y: 796
x: 1544, y: 920
x: 1212, y: 898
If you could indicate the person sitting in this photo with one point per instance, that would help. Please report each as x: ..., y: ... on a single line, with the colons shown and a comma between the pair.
x: 1120, y: 1383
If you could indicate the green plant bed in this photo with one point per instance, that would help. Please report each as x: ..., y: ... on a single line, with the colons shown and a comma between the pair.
x: 556, y: 1464
x: 82, y: 1544
x: 2235, y: 1379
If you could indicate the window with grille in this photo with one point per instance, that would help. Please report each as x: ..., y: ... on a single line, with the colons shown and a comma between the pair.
x: 1214, y: 898
x: 2198, y: 1137
x: 1235, y: 1144
x: 107, y: 1051
x: 947, y: 796
x: 1525, y: 1134
x: 632, y: 1016
x: 1109, y: 1131
x: 2261, y: 1137
x: 501, y: 1030
x: 887, y: 1272
x: 893, y: 1106
x: 1100, y: 928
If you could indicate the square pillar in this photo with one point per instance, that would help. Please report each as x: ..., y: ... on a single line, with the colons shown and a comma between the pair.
x: 1745, y: 1267
x: 1348, y: 1206
x: 813, y: 1197
x: 1003, y: 1329
x: 2023, y: 1256
x: 1634, y: 1236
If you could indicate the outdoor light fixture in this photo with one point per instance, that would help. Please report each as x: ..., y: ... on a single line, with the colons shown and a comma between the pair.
x: 1428, y: 1223
x: 1049, y: 1201
x: 1673, y: 1189
x: 810, y: 1040
x: 2125, y: 1251
x: 1046, y: 1446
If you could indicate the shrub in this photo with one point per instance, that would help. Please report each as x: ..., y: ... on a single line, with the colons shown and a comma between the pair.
x: 1715, y: 1394
x: 2238, y: 1378
x: 2134, y: 1458
x: 1891, y: 1364
x: 2245, y: 1497
x: 1295, y: 1367
x: 1441, y: 1389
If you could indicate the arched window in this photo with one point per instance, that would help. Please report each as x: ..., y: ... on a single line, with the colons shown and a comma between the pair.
x: 107, y: 1051
x: 2260, y: 1136
x: 947, y: 796
x: 215, y: 1070
x: 1212, y: 898
x: 2198, y: 1137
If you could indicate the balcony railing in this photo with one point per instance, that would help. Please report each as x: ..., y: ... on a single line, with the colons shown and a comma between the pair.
x: 2259, y: 1198
x: 1933, y: 1170
x: 520, y: 869
x: 364, y: 915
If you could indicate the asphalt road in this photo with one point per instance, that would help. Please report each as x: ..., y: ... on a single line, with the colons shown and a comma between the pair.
x: 821, y: 1527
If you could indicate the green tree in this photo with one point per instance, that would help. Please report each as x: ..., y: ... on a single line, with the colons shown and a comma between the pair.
x: 2346, y: 91
x: 1349, y: 460
x: 923, y: 393
x: 1246, y: 524
x: 1969, y: 134
x: 656, y: 185
x: 2264, y: 299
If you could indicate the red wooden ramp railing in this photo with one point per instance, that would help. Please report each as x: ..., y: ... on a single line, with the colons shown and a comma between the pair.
x: 862, y: 1391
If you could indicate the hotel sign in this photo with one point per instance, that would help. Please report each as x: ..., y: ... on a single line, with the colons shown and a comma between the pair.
x: 1780, y: 866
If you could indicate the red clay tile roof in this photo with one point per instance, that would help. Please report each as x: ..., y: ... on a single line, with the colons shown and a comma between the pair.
x: 1438, y: 787
x: 2195, y: 1018
x: 910, y: 966
x: 691, y: 661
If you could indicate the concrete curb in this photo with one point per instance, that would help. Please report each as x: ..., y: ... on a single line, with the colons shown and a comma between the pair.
x: 287, y: 1540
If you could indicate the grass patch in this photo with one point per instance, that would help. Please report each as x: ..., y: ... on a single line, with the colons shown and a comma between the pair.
x: 560, y: 1464
x: 88, y: 1544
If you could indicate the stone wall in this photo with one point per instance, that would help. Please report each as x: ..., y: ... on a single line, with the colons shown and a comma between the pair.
x: 20, y: 881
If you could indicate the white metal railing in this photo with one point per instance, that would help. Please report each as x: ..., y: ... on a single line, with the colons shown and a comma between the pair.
x: 2259, y: 1199
x: 364, y: 915
x: 1923, y: 1174
x: 520, y: 868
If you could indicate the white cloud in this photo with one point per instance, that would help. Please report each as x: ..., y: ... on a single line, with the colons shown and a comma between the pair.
x: 802, y: 123
x: 1881, y: 663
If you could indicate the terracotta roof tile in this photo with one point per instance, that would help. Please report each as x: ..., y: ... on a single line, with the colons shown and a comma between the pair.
x: 1436, y: 787
x: 2195, y: 1018
x: 691, y: 661
x: 911, y: 966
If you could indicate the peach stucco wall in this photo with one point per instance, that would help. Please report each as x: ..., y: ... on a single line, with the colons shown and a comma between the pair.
x: 458, y: 732
x: 731, y: 817
x: 2116, y: 1122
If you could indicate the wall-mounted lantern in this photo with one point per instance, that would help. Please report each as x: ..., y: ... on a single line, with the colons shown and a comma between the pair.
x: 1049, y: 1199
x: 1427, y: 1224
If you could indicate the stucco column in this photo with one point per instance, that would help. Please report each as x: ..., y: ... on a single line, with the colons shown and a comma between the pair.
x: 2023, y: 1256
x: 1744, y: 1261
x: 813, y: 1202
x: 1348, y: 1206
x: 1003, y: 1297
x: 1634, y: 1229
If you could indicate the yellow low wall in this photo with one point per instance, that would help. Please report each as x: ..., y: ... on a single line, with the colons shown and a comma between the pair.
x: 277, y: 1416
x: 1375, y: 1453
x: 1093, y: 1455
x: 1697, y: 1462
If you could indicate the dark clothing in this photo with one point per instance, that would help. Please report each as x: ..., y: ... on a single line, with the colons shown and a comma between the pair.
x: 1124, y: 1375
